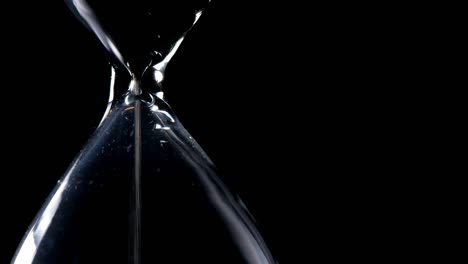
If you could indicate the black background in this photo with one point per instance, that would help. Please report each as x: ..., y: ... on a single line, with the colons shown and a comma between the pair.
x: 272, y: 92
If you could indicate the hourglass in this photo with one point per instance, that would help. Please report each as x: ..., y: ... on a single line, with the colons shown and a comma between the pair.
x: 141, y: 190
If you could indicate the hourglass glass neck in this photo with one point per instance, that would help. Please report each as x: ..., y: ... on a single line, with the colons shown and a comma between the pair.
x: 122, y: 83
x: 141, y: 36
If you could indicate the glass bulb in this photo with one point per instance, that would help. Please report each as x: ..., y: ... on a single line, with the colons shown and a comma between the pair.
x: 141, y: 190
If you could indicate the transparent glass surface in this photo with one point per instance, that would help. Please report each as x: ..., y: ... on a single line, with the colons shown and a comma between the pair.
x: 141, y: 190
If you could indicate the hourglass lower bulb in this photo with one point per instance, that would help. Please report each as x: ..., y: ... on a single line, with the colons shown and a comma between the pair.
x: 141, y: 190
